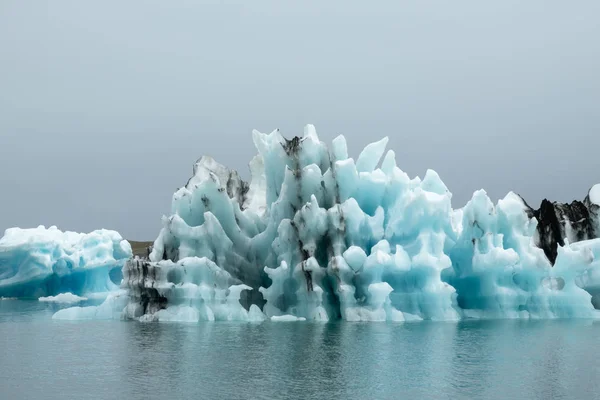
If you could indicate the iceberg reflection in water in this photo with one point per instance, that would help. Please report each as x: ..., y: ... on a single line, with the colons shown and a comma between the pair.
x: 460, y: 360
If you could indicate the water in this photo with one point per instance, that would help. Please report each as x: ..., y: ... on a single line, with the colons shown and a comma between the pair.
x: 42, y: 358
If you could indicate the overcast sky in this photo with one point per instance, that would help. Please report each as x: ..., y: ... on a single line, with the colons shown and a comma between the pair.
x: 105, y: 106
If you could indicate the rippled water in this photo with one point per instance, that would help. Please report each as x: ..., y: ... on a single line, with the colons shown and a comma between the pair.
x: 47, y: 359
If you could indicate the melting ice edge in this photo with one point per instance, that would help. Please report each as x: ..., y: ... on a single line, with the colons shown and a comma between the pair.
x: 316, y: 235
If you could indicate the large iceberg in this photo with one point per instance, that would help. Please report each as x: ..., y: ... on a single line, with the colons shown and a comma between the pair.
x: 44, y: 262
x: 317, y: 235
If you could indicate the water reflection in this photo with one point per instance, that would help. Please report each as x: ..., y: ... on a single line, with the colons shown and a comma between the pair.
x: 471, y: 359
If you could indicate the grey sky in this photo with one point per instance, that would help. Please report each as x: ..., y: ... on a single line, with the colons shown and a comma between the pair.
x: 104, y: 106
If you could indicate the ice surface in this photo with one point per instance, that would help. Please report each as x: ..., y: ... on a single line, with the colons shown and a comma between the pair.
x: 561, y: 223
x: 595, y: 194
x: 111, y: 308
x: 286, y: 318
x: 44, y: 262
x: 193, y: 289
x: 65, y: 298
x: 316, y: 235
x: 497, y: 272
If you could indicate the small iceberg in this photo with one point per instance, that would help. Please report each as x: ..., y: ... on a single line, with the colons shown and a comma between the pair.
x: 64, y: 298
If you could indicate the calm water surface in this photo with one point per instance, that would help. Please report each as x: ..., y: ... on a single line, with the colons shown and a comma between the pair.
x: 46, y: 359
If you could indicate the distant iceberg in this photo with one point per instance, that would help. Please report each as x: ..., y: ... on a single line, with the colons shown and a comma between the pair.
x: 44, y: 262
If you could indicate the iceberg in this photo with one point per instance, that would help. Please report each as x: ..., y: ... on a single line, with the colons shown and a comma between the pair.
x: 110, y: 309
x: 40, y: 262
x: 286, y: 318
x: 64, y: 298
x: 316, y: 235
